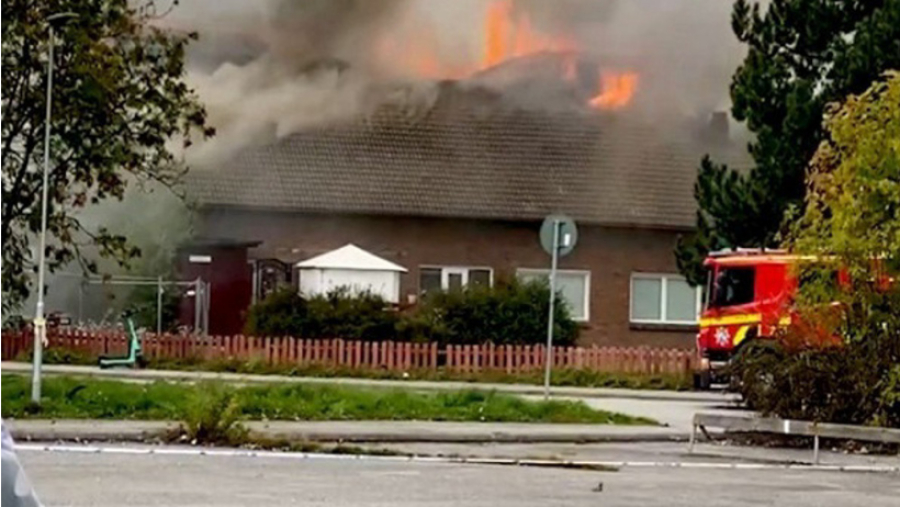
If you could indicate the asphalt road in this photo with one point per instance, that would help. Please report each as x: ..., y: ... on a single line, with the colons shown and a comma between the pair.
x: 103, y: 479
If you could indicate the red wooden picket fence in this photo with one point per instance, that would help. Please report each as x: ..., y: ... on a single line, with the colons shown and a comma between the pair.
x: 394, y: 356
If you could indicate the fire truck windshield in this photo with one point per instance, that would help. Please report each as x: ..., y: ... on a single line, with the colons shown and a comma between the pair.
x: 732, y: 286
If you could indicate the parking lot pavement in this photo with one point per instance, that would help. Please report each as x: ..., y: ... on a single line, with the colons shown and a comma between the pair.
x: 188, y: 479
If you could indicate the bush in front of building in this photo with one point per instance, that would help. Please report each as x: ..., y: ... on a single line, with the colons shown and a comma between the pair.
x: 282, y: 313
x: 343, y: 314
x: 337, y: 314
x: 855, y: 382
x: 511, y: 312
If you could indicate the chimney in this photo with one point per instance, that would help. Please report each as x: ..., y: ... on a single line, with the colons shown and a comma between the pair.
x: 717, y: 130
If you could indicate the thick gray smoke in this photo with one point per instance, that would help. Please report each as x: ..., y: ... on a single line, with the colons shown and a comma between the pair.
x: 268, y: 68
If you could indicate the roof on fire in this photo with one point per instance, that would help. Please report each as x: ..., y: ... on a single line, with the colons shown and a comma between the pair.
x: 462, y: 159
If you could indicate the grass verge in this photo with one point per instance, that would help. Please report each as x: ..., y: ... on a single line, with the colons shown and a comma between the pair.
x: 206, y: 405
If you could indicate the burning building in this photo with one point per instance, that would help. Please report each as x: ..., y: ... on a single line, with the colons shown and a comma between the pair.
x: 450, y: 174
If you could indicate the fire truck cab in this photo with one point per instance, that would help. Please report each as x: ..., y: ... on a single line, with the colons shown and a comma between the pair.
x: 749, y: 295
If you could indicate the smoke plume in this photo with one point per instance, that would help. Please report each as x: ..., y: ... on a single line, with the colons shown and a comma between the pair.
x: 269, y: 68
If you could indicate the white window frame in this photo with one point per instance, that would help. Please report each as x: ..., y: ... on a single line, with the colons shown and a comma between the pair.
x: 447, y: 270
x: 663, y: 278
x: 579, y: 272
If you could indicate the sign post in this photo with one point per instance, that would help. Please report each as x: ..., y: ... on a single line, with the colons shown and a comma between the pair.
x: 548, y: 360
x: 558, y: 237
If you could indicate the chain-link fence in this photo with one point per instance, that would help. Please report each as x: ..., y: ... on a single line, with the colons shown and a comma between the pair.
x: 157, y: 304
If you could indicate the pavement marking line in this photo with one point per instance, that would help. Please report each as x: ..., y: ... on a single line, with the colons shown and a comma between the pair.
x: 238, y: 453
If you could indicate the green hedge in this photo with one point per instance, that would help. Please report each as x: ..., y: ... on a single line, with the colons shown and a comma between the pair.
x: 509, y: 313
x: 338, y: 314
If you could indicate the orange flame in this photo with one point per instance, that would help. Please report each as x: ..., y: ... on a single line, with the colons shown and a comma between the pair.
x: 497, y: 33
x: 508, y: 33
x: 616, y: 90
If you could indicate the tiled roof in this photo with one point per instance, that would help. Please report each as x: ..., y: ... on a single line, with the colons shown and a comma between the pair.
x: 465, y: 159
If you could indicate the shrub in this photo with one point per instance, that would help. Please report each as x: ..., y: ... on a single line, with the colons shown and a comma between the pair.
x: 282, y: 313
x: 857, y: 382
x: 212, y: 416
x: 341, y: 314
x: 338, y: 314
x: 511, y: 312
x: 508, y: 313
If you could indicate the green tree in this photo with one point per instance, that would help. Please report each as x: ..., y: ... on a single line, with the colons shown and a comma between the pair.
x: 852, y: 214
x: 852, y: 209
x: 119, y: 104
x: 851, y: 222
x: 801, y: 55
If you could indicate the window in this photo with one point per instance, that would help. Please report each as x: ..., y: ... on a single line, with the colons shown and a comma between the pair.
x: 663, y: 299
x: 573, y: 286
x: 453, y: 278
x: 646, y: 299
x: 733, y: 286
x: 481, y: 277
x: 429, y: 280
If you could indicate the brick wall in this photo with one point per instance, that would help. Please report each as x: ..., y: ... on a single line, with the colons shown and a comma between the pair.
x: 610, y: 254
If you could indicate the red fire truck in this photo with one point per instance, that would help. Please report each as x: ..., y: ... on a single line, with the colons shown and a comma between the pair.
x: 749, y: 295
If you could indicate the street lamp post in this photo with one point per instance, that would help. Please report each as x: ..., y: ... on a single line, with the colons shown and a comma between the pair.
x: 40, y: 323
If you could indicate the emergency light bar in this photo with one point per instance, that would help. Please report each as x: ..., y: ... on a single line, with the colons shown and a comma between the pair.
x: 746, y: 251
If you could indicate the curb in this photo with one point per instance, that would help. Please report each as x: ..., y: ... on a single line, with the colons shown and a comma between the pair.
x: 25, y: 432
x: 476, y: 438
x: 146, y: 431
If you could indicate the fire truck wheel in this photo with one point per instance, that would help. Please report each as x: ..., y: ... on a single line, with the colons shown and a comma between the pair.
x: 702, y: 381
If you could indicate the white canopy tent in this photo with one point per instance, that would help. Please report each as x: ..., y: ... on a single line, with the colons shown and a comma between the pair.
x: 354, y: 268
